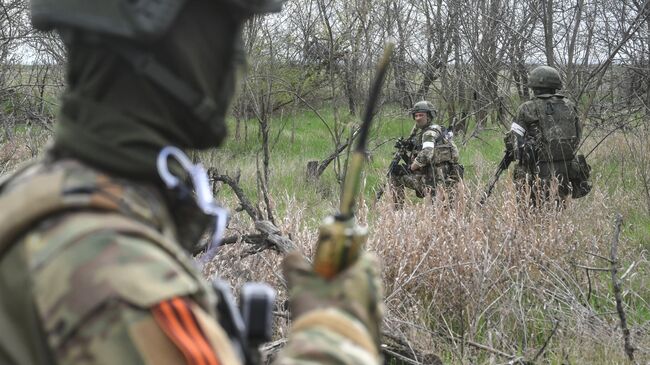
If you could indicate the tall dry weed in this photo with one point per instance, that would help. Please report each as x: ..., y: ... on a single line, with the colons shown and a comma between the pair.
x: 458, y: 275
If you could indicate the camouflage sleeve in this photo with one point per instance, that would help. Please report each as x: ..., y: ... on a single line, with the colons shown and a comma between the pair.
x: 328, y: 336
x: 96, y: 296
x: 578, y: 128
x: 455, y: 154
x: 425, y: 156
x: 520, y: 125
x: 526, y: 116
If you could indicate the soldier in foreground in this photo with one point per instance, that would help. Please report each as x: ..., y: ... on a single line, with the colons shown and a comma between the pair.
x: 93, y: 236
x: 544, y: 140
x: 433, y: 158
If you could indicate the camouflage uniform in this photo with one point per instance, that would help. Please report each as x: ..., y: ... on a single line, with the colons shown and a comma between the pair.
x: 533, y: 161
x: 95, y: 265
x: 437, y: 156
x: 92, y: 273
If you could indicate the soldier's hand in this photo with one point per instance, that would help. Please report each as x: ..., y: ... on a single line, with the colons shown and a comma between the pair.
x: 357, y: 291
x: 508, y: 141
x: 414, y: 167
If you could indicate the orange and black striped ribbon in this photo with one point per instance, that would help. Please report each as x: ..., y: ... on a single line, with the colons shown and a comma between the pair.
x: 178, y: 322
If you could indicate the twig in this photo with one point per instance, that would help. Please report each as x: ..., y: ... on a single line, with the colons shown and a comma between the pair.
x: 541, y: 351
x: 488, y: 349
x: 589, y: 286
x: 599, y: 256
x: 629, y: 349
x: 451, y: 336
x: 337, y: 152
x: 591, y: 268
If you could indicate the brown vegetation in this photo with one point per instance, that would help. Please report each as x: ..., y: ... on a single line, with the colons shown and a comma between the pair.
x: 488, y: 284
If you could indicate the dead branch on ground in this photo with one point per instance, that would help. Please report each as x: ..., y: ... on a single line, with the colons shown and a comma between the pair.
x: 629, y: 349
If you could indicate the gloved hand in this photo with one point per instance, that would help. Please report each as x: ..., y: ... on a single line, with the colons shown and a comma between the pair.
x: 357, y: 291
x: 509, y: 141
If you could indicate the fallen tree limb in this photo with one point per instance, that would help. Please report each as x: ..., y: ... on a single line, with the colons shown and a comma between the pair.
x: 616, y: 283
x: 268, y: 236
x: 244, y: 202
x: 315, y: 169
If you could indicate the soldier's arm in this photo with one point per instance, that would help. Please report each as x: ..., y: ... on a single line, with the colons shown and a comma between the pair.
x: 336, y: 321
x: 578, y: 128
x: 112, y: 298
x: 425, y: 156
x: 519, y: 127
x: 455, y: 154
x: 328, y: 336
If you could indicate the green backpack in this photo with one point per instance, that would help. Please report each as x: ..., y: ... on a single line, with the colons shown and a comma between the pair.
x: 559, y: 136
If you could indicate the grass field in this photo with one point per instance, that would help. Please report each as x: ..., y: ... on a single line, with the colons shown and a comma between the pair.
x: 463, y: 280
x: 471, y: 284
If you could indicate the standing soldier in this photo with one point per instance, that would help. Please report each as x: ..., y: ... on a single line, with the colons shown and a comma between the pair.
x: 434, y: 159
x: 544, y: 139
x: 93, y: 236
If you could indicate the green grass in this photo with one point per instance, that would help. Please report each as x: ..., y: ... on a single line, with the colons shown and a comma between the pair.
x: 531, y: 280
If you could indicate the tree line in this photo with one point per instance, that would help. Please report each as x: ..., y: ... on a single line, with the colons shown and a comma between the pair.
x: 470, y: 57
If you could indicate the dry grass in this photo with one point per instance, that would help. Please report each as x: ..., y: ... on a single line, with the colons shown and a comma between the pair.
x: 502, y: 276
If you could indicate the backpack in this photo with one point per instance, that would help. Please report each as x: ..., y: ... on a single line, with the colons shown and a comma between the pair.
x: 558, y: 131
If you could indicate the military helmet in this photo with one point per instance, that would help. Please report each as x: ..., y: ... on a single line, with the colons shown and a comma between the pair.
x: 544, y: 77
x: 423, y: 107
x: 138, y: 20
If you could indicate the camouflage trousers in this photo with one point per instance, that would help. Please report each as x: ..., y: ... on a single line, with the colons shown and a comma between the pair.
x: 445, y: 175
x: 448, y: 174
x: 543, y: 181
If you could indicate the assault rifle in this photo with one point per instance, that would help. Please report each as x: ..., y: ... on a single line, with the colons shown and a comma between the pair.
x: 403, y: 146
x: 503, y: 165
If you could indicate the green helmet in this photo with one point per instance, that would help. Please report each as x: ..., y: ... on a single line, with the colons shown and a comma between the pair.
x: 139, y: 20
x: 423, y: 107
x: 544, y: 77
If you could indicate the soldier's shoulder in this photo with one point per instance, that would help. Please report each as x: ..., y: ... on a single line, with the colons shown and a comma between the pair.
x: 528, y: 110
x: 528, y: 104
x: 117, y: 255
x: 81, y: 262
x: 432, y: 131
x: 566, y: 100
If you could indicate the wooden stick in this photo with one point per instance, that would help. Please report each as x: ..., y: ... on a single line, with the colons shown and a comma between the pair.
x: 629, y: 349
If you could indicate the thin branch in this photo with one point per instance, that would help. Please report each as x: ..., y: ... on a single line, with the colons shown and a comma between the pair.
x: 591, y: 268
x: 629, y: 349
x: 541, y: 351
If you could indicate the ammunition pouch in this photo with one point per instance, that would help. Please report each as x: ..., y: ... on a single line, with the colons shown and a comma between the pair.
x: 443, y: 153
x: 579, y: 173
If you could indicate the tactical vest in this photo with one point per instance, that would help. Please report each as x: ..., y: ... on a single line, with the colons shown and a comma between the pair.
x: 443, y: 150
x: 558, y: 135
x: 43, y: 193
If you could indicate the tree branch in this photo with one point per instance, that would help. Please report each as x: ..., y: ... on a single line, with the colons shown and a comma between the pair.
x: 629, y: 349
